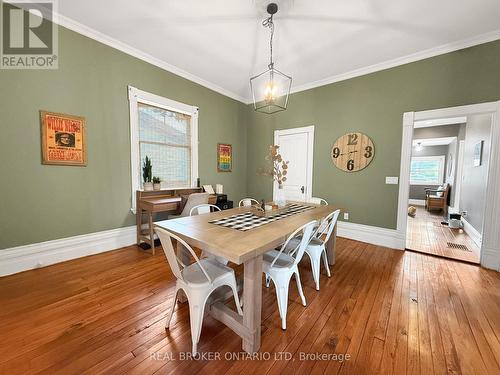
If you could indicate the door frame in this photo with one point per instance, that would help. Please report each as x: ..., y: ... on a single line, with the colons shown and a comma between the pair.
x: 459, y: 174
x: 490, y: 249
x: 310, y: 155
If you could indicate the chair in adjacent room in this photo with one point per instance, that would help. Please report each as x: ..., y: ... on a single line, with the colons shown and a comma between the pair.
x: 280, y: 266
x: 197, y: 280
x: 437, y: 198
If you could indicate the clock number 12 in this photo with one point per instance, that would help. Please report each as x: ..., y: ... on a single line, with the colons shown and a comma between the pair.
x: 353, y: 139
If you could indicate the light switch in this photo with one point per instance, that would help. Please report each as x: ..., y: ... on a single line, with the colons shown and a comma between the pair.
x: 391, y: 180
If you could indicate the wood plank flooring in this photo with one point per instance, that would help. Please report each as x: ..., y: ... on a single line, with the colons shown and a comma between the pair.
x: 385, y: 311
x: 426, y: 234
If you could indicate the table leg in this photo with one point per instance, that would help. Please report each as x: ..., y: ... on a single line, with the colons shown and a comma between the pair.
x: 138, y: 223
x: 151, y: 232
x: 252, y: 302
x: 183, y: 255
x: 330, y: 246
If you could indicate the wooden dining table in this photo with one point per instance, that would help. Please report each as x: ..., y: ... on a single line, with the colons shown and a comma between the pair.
x: 247, y: 248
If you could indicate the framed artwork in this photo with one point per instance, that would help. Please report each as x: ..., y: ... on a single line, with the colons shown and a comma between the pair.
x: 478, y: 154
x: 224, y: 157
x: 63, y: 139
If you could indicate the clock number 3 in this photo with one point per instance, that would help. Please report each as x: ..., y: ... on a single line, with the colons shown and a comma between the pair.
x: 369, y: 151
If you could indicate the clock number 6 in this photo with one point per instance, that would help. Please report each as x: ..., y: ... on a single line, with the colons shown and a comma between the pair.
x: 369, y: 152
x: 336, y: 152
x: 350, y: 165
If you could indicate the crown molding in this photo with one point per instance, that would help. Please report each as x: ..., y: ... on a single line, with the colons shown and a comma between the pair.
x: 91, y: 33
x: 431, y: 52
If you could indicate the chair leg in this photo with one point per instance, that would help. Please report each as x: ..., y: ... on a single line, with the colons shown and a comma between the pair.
x: 282, y: 297
x: 196, y: 310
x: 299, y: 287
x: 325, y: 260
x: 236, y: 299
x: 171, y: 311
x: 315, y: 263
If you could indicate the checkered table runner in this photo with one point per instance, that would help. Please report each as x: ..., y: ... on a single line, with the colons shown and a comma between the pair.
x: 248, y: 220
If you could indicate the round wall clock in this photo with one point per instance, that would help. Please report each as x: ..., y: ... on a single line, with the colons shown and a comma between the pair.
x: 352, y: 152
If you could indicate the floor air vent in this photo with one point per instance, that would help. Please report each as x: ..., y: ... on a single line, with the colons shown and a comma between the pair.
x: 458, y: 246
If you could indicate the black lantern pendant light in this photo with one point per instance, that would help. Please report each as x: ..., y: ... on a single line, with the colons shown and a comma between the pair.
x: 271, y: 88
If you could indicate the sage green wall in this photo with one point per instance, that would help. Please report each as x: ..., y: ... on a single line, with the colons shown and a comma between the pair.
x: 373, y: 104
x: 39, y: 203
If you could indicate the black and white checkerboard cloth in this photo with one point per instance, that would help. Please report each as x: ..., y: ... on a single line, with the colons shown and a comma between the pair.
x: 248, y: 220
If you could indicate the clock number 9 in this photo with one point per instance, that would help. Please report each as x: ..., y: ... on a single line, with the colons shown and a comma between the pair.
x: 350, y: 165
x: 336, y: 152
x: 369, y: 151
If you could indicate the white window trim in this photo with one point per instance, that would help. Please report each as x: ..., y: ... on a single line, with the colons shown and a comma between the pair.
x: 136, y: 96
x: 441, y: 159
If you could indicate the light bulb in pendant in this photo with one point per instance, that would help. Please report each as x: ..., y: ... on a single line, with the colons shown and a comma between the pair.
x: 270, y: 92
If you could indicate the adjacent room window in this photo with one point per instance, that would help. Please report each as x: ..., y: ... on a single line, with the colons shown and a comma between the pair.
x: 166, y: 132
x: 427, y: 170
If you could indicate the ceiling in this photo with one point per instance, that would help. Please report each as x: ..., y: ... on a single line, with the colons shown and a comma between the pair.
x: 440, y: 122
x: 221, y: 43
x: 434, y: 141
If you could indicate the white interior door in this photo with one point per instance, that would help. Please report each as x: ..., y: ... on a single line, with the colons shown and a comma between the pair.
x: 296, y: 146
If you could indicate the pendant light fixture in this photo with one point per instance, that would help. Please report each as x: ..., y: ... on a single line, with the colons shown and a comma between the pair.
x: 271, y: 88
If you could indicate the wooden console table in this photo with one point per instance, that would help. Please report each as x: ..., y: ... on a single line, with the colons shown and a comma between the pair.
x: 151, y: 202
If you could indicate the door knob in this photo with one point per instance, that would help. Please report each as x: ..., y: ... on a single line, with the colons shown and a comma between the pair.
x: 302, y: 189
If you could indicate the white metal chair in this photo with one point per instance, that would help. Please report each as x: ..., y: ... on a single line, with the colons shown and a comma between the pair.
x: 316, y: 248
x: 197, y: 280
x: 204, y: 208
x: 246, y: 202
x: 319, y: 201
x: 280, y: 266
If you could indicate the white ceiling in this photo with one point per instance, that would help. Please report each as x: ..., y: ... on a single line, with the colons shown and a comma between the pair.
x: 221, y: 43
x: 434, y: 141
x: 440, y: 122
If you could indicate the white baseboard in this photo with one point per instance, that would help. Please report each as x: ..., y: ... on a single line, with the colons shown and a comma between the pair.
x: 374, y: 235
x: 417, y: 202
x: 490, y: 258
x: 472, y: 233
x: 22, y: 258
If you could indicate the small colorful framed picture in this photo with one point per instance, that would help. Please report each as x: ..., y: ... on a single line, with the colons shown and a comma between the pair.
x: 63, y: 139
x: 224, y: 157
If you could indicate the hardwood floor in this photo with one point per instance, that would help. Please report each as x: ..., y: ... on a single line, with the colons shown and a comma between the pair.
x: 392, y: 312
x: 426, y: 234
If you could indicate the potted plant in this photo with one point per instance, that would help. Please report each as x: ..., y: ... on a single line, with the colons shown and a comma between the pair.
x: 147, y: 174
x: 277, y: 170
x: 156, y: 183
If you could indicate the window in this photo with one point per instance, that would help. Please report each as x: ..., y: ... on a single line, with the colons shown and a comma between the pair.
x: 427, y: 170
x: 165, y: 131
